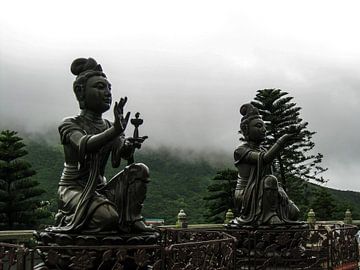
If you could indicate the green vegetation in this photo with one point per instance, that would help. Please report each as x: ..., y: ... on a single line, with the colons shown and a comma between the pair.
x: 176, y: 183
x: 20, y: 205
x: 221, y: 195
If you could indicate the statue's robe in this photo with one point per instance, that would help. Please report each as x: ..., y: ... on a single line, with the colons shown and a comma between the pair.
x: 256, y: 198
x: 87, y: 202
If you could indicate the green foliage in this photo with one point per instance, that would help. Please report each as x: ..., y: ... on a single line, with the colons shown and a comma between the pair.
x: 221, y: 195
x: 341, y: 201
x: 323, y: 204
x: 19, y: 194
x: 177, y: 182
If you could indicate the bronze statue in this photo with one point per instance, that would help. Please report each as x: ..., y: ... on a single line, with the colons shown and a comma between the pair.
x: 259, y: 197
x: 88, y: 203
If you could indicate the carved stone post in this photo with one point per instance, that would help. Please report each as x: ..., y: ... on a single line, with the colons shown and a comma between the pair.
x: 348, y: 217
x: 229, y: 216
x: 182, y: 220
x: 311, y: 218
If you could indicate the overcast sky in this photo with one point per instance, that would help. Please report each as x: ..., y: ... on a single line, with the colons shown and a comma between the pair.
x: 187, y: 66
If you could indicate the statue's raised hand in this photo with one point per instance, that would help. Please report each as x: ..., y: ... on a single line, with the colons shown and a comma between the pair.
x: 294, y: 132
x: 292, y: 135
x: 120, y: 121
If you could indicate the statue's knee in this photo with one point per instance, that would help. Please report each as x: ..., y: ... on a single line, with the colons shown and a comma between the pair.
x: 270, y: 182
x: 139, y: 171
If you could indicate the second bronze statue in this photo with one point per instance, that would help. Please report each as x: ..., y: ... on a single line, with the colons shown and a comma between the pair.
x: 259, y: 197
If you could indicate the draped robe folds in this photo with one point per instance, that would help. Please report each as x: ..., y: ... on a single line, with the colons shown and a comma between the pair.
x: 83, y: 188
x: 253, y: 191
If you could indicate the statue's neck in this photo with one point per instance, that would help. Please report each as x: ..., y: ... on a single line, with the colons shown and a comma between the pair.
x: 254, y: 145
x: 91, y: 116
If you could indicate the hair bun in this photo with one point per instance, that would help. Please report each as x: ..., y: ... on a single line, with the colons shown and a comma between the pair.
x: 248, y: 110
x: 80, y: 65
x: 244, y: 109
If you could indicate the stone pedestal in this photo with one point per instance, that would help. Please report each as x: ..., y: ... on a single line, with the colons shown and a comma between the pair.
x: 99, y: 251
x: 280, y: 247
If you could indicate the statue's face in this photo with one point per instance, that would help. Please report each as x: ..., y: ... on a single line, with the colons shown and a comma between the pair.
x: 97, y: 94
x: 257, y: 130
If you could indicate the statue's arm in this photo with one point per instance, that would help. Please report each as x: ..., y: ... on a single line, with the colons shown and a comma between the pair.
x: 276, y: 148
x: 92, y: 143
x: 251, y: 156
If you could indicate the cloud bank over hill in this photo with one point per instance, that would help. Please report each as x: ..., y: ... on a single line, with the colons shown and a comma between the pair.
x: 187, y: 67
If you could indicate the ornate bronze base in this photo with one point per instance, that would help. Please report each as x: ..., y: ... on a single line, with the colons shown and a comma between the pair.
x: 282, y: 246
x: 97, y: 251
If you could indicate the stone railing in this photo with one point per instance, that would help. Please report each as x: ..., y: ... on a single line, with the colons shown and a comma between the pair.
x: 320, y: 245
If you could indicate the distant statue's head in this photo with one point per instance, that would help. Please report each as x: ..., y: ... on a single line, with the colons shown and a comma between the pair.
x: 252, y: 126
x: 92, y: 89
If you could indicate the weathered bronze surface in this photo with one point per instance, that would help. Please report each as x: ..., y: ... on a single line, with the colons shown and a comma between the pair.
x: 259, y: 197
x: 88, y: 203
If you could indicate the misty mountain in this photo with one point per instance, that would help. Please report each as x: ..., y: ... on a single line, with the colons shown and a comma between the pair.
x: 179, y: 180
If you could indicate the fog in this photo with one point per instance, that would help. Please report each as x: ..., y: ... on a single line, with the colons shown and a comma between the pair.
x: 188, y: 66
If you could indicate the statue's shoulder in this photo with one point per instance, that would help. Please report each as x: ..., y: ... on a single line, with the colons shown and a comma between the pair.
x: 241, y: 151
x: 68, y: 120
x: 71, y: 120
x: 68, y: 125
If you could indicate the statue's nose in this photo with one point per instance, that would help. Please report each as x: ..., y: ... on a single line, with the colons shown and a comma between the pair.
x: 107, y: 93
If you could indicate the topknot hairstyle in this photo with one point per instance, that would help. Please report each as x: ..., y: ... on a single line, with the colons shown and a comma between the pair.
x: 249, y: 112
x: 83, y: 69
x: 81, y: 65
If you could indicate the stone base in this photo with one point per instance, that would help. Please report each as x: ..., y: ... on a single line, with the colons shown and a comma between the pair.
x: 284, y: 246
x: 97, y: 251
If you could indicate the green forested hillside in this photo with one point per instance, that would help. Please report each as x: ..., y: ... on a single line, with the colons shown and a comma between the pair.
x: 347, y: 200
x: 176, y: 182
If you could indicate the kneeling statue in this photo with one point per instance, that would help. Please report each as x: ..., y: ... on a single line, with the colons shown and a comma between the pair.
x: 88, y: 203
x: 259, y: 197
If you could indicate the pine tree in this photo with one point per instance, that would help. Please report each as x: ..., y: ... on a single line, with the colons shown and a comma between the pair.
x: 324, y: 205
x: 297, y: 160
x: 221, y: 197
x: 19, y: 199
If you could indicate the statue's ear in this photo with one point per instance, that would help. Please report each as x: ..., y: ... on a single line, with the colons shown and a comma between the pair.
x: 80, y: 95
x: 244, y: 130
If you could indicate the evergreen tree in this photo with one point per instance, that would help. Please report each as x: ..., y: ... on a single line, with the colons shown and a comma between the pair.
x: 221, y: 197
x: 324, y: 205
x: 19, y: 199
x: 296, y: 161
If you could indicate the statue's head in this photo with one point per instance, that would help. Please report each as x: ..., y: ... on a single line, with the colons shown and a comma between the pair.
x: 252, y: 126
x: 92, y: 89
